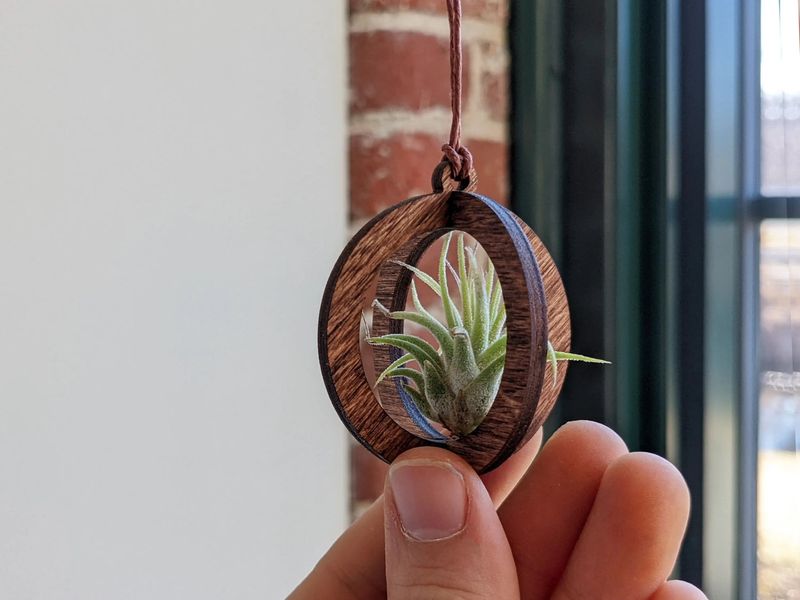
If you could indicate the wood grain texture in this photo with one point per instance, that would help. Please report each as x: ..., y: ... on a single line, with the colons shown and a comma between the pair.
x: 527, y: 275
x: 558, y: 327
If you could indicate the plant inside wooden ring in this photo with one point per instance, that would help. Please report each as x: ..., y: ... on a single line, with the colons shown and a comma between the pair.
x: 455, y: 383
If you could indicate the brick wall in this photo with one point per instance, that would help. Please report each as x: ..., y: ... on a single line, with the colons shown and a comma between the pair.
x: 400, y: 117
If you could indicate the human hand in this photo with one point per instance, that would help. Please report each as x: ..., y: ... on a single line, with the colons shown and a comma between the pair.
x: 588, y: 520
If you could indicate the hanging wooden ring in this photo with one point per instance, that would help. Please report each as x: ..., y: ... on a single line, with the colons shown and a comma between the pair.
x: 535, y: 304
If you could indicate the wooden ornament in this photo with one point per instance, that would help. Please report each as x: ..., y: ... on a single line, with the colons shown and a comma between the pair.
x: 535, y: 303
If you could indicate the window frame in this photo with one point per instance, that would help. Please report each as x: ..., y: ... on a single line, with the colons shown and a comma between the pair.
x: 758, y: 206
x: 673, y: 178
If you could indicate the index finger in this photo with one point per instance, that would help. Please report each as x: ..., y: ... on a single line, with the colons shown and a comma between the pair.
x: 546, y: 513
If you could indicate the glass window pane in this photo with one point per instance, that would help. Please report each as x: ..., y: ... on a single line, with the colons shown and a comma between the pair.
x: 779, y: 414
x: 780, y: 97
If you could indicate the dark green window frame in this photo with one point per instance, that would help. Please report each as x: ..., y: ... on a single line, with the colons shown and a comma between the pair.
x: 636, y: 158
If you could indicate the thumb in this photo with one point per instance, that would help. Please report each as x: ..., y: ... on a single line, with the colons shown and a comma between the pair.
x: 443, y: 536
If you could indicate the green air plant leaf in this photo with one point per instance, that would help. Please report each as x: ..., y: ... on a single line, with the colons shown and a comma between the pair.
x: 421, y: 350
x: 390, y: 370
x: 480, y: 393
x: 456, y: 383
x: 421, y: 401
x: 495, y: 350
x: 412, y: 374
x: 450, y: 311
x: 552, y: 359
x: 423, y: 276
x: 463, y: 279
x: 581, y: 358
x: 424, y: 318
x: 462, y: 368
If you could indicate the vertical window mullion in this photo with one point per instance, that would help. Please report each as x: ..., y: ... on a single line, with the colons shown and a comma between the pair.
x: 750, y: 169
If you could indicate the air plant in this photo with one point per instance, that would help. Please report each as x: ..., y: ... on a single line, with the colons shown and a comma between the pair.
x: 456, y: 383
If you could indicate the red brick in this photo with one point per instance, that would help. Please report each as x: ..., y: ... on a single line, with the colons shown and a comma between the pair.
x: 369, y: 473
x: 491, y: 164
x: 495, y: 95
x: 486, y: 9
x: 406, y: 70
x: 386, y: 171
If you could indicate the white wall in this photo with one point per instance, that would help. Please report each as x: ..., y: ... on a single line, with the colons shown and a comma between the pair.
x: 172, y: 197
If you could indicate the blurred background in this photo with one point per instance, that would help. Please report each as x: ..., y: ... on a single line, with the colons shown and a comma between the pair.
x: 177, y: 179
x: 172, y: 197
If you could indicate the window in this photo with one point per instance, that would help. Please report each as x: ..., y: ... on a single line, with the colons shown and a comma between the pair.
x: 657, y: 150
x: 780, y: 98
x: 778, y: 465
x: 779, y: 411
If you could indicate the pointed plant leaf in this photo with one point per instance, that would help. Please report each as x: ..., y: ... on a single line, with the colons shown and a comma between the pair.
x: 427, y: 320
x: 406, y: 358
x: 472, y: 299
x: 480, y: 325
x: 474, y: 274
x: 472, y: 255
x: 462, y: 368
x: 463, y: 284
x: 478, y: 396
x: 423, y: 318
x: 365, y: 324
x: 436, y: 391
x: 580, y: 358
x: 456, y: 278
x: 495, y: 349
x: 450, y: 312
x: 412, y: 374
x: 498, y: 323
x: 551, y: 358
x: 377, y: 305
x: 489, y: 372
x: 421, y: 350
x: 423, y: 276
x: 421, y: 402
x: 496, y: 301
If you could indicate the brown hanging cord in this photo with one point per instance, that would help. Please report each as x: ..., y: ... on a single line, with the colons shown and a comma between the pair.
x: 459, y: 158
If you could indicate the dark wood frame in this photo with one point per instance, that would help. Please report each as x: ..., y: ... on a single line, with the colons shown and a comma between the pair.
x: 533, y: 294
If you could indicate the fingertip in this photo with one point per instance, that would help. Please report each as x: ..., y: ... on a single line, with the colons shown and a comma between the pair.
x: 580, y: 446
x: 678, y: 590
x: 649, y: 476
x: 636, y: 523
x: 590, y: 433
x: 433, y: 454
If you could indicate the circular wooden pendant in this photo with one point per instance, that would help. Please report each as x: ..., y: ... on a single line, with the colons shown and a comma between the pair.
x: 536, y: 308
